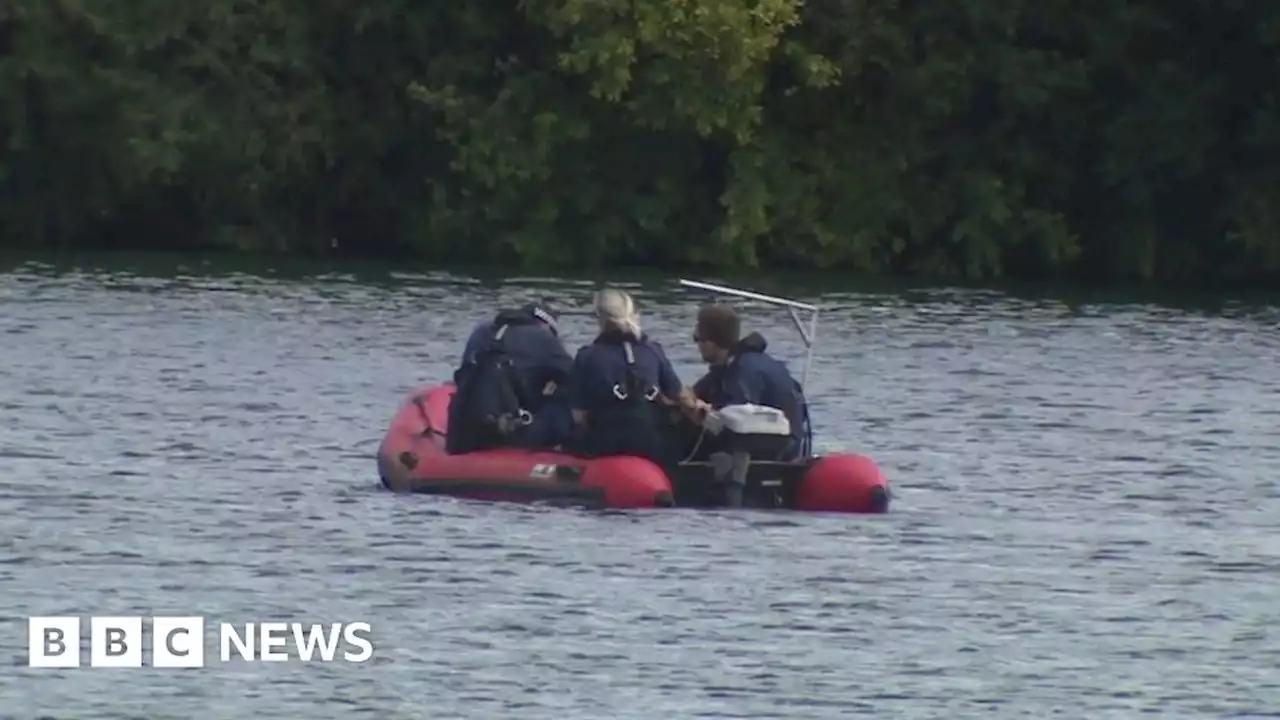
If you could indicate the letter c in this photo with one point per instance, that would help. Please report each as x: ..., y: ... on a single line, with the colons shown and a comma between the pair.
x: 168, y: 642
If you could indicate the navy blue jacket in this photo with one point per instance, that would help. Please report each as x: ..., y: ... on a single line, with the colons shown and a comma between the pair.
x: 622, y: 425
x: 753, y: 376
x: 535, y: 351
x: 486, y: 390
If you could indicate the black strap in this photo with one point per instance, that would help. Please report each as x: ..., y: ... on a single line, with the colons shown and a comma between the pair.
x: 634, y: 386
x: 510, y: 384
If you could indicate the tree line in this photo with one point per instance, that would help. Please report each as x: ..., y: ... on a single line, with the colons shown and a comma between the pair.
x: 978, y: 138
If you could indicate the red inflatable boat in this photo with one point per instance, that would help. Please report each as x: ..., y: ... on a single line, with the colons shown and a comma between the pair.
x: 413, y: 459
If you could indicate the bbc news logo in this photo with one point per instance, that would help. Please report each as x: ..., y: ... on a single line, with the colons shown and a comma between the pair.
x: 179, y: 642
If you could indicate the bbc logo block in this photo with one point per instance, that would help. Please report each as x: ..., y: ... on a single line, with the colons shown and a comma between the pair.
x: 176, y: 642
x: 53, y: 642
x: 179, y: 642
x: 114, y: 641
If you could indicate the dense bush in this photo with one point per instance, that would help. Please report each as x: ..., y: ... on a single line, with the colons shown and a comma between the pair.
x: 1132, y: 138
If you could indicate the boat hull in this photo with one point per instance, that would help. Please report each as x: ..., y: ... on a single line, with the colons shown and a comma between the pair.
x: 412, y: 459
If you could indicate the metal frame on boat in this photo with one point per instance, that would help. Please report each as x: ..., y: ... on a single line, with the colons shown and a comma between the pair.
x: 769, y: 483
x: 412, y: 459
x: 808, y: 334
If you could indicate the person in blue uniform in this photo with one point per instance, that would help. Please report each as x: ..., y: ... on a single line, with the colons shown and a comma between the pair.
x: 741, y: 372
x: 511, y: 384
x: 623, y: 386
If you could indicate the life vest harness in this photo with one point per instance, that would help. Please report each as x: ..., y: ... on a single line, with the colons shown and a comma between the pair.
x: 514, y: 393
x: 515, y: 397
x: 634, y: 386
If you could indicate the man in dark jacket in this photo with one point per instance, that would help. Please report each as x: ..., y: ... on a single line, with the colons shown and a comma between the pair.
x: 742, y: 372
x: 510, y: 385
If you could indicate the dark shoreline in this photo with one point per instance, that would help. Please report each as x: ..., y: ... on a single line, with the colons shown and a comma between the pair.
x: 393, y: 270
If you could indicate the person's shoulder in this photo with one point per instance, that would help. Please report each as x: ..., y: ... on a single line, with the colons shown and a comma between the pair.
x: 478, y: 335
x: 779, y: 365
x: 762, y: 365
x: 529, y: 338
x: 769, y: 358
x: 655, y: 345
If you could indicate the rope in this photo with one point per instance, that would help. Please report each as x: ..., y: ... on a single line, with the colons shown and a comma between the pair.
x: 701, y: 434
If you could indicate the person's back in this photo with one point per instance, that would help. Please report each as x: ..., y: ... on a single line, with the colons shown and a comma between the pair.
x: 760, y: 378
x: 621, y: 383
x: 508, y: 367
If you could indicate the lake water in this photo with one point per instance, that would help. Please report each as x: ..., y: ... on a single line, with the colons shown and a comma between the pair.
x: 1086, y: 520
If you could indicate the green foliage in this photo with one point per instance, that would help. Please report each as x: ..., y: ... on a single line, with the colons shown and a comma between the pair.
x: 1130, y: 139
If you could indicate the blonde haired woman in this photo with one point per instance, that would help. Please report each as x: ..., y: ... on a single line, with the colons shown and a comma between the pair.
x: 621, y: 381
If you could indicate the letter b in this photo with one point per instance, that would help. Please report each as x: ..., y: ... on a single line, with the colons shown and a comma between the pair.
x: 53, y: 642
x: 115, y: 642
x: 116, y: 646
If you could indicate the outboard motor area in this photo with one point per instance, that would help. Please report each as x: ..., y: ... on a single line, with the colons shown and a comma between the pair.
x: 746, y: 432
x: 746, y: 420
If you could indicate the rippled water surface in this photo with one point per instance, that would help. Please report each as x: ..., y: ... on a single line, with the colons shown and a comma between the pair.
x: 1086, y: 519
